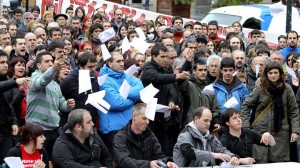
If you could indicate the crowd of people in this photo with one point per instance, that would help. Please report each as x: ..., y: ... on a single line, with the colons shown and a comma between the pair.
x: 45, y: 120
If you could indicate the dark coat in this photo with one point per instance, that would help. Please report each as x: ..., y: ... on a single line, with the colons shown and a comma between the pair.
x: 69, y: 88
x: 68, y: 152
x: 136, y: 151
x: 7, y: 115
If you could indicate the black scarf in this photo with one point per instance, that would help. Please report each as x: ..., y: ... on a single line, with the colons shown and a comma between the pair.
x: 278, y: 106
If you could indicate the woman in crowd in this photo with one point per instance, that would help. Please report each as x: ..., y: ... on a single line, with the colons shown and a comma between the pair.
x: 62, y: 73
x: 48, y: 17
x: 236, y: 43
x: 123, y: 30
x: 17, y: 95
x: 100, y: 61
x: 237, y: 27
x: 275, y: 110
x: 31, y: 150
x: 210, y: 45
x: 80, y: 12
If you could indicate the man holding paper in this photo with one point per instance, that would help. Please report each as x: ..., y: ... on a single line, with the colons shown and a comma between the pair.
x: 254, y: 72
x: 155, y: 72
x: 121, y: 93
x: 45, y: 100
x: 136, y: 145
x: 194, y: 87
x: 227, y: 85
x: 70, y: 86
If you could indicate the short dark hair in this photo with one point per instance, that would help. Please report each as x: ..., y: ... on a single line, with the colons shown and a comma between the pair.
x: 38, y: 48
x: 35, y: 8
x: 75, y: 18
x: 97, y: 16
x: 130, y: 23
x: 198, y: 23
x: 176, y: 18
x: 213, y: 22
x: 227, y: 114
x: 14, y: 40
x: 53, y: 29
x: 130, y: 33
x: 95, y: 26
x: 198, y: 112
x: 255, y: 31
x: 117, y: 9
x: 75, y: 117
x: 55, y: 44
x: 39, y: 57
x: 292, y: 31
x: 157, y: 48
x: 30, y: 132
x: 199, y: 62
x: 227, y: 62
x: 69, y: 8
x: 3, y: 53
x: 281, y: 36
x: 18, y: 10
x: 85, y: 57
x: 69, y: 28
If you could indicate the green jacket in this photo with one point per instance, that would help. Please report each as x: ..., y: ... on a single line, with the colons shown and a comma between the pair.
x: 197, y: 99
x: 259, y: 100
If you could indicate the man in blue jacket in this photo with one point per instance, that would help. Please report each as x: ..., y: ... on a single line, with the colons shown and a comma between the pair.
x: 292, y: 38
x: 120, y: 110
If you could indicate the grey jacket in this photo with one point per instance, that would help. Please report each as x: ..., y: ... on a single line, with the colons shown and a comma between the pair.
x: 194, y: 149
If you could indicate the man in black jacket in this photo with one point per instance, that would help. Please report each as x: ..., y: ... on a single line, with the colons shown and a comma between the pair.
x: 78, y: 145
x: 8, y: 120
x: 155, y: 72
x: 70, y: 85
x: 136, y: 146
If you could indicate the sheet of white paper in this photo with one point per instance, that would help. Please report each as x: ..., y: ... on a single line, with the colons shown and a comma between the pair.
x: 291, y: 72
x: 140, y: 45
x: 151, y: 109
x: 101, y: 79
x: 84, y: 81
x: 105, y: 53
x: 96, y: 100
x: 257, y: 69
x: 14, y: 162
x: 234, y: 73
x: 125, y: 45
x: 125, y: 89
x: 231, y: 103
x: 148, y: 93
x: 208, y: 90
x: 131, y: 70
x: 140, y: 32
x: 163, y: 109
x: 107, y: 34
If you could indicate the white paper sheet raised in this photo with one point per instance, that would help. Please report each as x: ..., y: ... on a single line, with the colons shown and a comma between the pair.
x: 125, y: 89
x: 140, y: 45
x: 84, y: 81
x: 257, y: 66
x: 96, y: 100
x: 148, y: 93
x: 163, y: 109
x: 107, y: 34
x: 105, y: 53
x: 231, y: 103
x: 131, y: 70
x: 101, y: 79
x: 291, y: 72
x: 151, y: 109
x: 140, y: 33
x: 14, y: 162
x: 208, y: 90
x: 125, y: 45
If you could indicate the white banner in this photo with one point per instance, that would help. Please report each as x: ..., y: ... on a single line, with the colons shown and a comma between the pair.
x: 139, y: 15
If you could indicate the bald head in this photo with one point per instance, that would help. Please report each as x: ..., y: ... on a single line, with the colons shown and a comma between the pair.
x: 30, y: 40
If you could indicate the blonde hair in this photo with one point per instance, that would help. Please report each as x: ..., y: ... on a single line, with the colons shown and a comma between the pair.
x: 47, y: 13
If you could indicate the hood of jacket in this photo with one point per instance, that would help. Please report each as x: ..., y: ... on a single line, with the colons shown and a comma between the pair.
x: 111, y: 73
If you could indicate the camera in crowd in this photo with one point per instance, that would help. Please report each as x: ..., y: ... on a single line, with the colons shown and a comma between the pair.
x: 161, y: 164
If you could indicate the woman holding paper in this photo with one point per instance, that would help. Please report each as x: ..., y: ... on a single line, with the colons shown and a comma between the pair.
x: 274, y: 110
x: 31, y: 150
